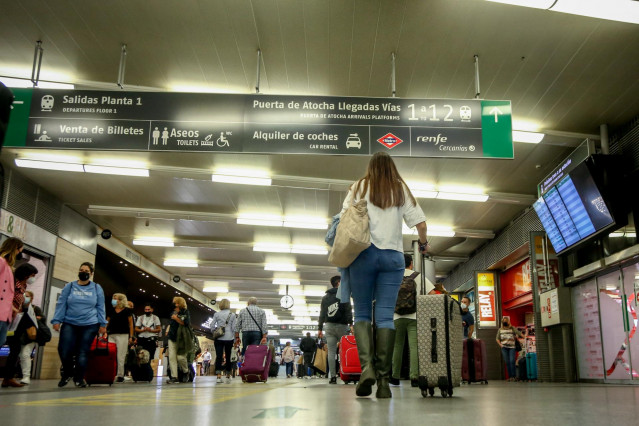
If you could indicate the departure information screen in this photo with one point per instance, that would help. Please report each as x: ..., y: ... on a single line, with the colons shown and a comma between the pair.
x: 573, y: 209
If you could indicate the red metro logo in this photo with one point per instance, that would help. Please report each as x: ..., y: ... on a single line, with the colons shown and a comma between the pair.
x: 389, y: 140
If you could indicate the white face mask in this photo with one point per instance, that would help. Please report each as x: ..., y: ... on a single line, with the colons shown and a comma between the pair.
x: 464, y: 306
x: 31, y: 280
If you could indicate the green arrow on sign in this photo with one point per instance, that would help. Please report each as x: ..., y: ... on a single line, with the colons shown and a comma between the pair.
x: 19, y: 118
x: 278, y: 413
x: 497, y: 129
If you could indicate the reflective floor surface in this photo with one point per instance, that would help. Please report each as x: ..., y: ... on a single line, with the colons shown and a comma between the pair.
x: 310, y: 402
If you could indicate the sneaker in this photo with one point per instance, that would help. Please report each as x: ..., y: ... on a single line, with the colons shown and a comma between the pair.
x: 288, y: 376
x: 219, y: 380
x: 119, y: 380
x: 82, y: 384
x: 393, y: 381
x: 228, y: 381
x: 171, y: 380
x: 333, y: 381
x: 128, y: 378
x: 63, y: 382
x: 25, y: 381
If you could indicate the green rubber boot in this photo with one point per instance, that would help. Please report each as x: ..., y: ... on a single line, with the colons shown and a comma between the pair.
x: 384, y: 361
x: 364, y: 338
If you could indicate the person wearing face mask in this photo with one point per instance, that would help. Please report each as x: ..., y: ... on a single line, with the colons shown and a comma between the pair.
x: 79, y: 317
x: 22, y: 323
x: 177, y: 354
x: 468, y: 321
x: 506, y: 336
x: 148, y: 328
x: 10, y: 250
x: 120, y: 330
x: 27, y: 344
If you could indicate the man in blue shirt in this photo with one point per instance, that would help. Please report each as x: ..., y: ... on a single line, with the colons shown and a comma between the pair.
x: 467, y: 318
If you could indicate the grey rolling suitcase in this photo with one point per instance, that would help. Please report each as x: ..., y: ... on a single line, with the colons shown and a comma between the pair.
x: 439, y: 344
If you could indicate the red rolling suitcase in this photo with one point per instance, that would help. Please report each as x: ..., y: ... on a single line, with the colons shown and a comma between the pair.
x: 474, y: 366
x: 102, y: 364
x: 257, y: 361
x: 349, y: 367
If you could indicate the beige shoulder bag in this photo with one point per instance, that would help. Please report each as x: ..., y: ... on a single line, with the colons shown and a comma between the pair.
x: 352, y: 237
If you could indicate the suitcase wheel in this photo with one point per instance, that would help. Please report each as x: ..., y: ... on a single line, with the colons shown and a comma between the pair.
x: 431, y: 391
x: 424, y: 393
x: 450, y: 391
x: 444, y: 393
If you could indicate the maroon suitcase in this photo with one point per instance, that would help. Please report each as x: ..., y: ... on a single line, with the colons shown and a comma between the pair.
x: 102, y: 364
x: 349, y: 367
x: 257, y: 361
x: 474, y: 366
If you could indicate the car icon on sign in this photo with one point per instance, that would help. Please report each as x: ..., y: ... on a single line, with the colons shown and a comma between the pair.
x: 353, y: 141
x: 465, y: 113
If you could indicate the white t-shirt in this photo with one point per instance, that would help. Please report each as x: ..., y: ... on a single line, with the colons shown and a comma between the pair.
x: 386, y: 224
x: 152, y: 322
x: 429, y: 287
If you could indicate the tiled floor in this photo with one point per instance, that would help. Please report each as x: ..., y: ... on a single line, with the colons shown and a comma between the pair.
x: 310, y: 402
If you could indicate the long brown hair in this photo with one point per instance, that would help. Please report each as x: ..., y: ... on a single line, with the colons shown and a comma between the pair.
x: 386, y: 185
x: 9, y: 249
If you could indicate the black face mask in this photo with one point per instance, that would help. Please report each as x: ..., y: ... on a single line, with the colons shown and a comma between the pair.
x: 505, y: 323
x: 19, y: 256
x: 84, y: 276
x: 148, y: 314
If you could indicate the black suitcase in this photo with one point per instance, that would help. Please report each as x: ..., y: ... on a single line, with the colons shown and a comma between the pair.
x: 274, y: 369
x: 142, y: 372
x: 191, y: 374
x: 522, y: 374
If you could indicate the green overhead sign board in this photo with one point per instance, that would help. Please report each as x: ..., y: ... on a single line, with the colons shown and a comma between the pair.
x: 269, y: 124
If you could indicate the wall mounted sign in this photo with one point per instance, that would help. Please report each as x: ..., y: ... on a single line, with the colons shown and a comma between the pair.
x: 197, y: 122
x: 486, y: 309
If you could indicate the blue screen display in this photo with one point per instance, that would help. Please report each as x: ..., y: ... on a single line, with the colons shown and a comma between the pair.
x: 550, y: 226
x: 575, y: 207
x: 562, y: 218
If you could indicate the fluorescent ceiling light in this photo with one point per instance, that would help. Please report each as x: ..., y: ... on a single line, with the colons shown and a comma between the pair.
x: 215, y: 289
x: 237, y: 305
x: 154, y: 241
x: 49, y: 165
x: 283, y: 267
x: 286, y: 281
x: 272, y: 247
x: 181, y: 262
x: 613, y: 10
x: 291, y: 291
x: 305, y: 222
x: 422, y: 190
x: 242, y: 176
x: 527, y: 137
x: 259, y: 219
x: 308, y: 249
x: 431, y: 231
x: 273, y: 333
x: 108, y: 170
x: 23, y: 82
x: 462, y: 197
x: 620, y: 234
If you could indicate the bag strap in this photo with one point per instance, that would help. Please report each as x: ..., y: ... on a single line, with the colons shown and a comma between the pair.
x: 258, y: 326
x: 413, y: 275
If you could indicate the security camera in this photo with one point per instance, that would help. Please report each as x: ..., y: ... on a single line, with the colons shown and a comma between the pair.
x: 106, y: 234
x: 213, y: 302
x: 176, y: 279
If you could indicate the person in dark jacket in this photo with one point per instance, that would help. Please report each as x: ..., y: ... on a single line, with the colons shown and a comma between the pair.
x: 335, y: 320
x: 308, y: 346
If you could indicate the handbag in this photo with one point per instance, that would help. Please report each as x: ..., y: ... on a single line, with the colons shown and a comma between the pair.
x: 517, y: 342
x: 32, y: 333
x: 221, y: 330
x: 353, y: 235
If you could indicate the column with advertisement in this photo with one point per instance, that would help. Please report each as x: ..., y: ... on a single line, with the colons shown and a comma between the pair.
x: 487, y: 313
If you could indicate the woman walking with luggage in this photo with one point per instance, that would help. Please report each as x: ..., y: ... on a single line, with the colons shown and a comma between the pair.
x: 506, y: 336
x: 377, y: 272
x: 120, y: 330
x: 180, y: 316
x: 79, y: 317
x: 224, y: 343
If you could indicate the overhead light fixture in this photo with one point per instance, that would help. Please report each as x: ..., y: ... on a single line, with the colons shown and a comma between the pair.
x: 49, y: 165
x: 282, y: 267
x: 259, y: 219
x: 273, y: 333
x: 422, y: 190
x: 181, y: 262
x: 215, y: 289
x: 286, y: 281
x: 462, y: 193
x: 272, y: 247
x: 613, y: 10
x: 154, y: 242
x: 621, y: 234
x: 431, y: 230
x: 109, y: 170
x: 242, y: 176
x: 527, y: 137
x: 305, y: 222
x: 308, y: 249
x: 27, y: 83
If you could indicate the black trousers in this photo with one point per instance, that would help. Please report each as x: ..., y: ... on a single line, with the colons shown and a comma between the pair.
x: 223, y: 347
x: 148, y: 344
x: 15, y: 346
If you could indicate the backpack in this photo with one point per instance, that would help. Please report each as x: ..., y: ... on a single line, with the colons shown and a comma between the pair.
x: 407, y: 296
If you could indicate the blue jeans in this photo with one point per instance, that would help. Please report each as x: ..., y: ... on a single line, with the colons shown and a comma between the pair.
x: 73, y: 348
x: 376, y: 275
x: 250, y: 338
x: 509, y: 358
x: 4, y: 326
x: 289, y: 368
